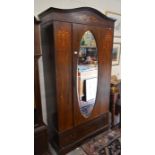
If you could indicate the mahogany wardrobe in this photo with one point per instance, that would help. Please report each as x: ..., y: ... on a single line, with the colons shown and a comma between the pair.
x: 76, y: 50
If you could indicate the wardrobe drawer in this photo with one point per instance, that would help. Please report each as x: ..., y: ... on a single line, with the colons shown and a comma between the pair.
x: 84, y: 131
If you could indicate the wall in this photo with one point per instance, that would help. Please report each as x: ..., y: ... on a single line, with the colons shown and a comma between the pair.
x: 101, y: 5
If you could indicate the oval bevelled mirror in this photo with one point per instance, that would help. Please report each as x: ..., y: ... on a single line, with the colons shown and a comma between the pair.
x: 87, y: 73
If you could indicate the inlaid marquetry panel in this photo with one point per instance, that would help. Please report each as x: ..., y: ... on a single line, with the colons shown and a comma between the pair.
x: 62, y: 39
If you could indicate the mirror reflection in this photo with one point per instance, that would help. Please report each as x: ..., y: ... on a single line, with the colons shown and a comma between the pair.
x: 87, y: 73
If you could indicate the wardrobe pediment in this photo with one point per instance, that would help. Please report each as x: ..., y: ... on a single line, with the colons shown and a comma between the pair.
x: 83, y: 15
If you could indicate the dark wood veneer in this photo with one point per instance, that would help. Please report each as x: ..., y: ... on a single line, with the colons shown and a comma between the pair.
x: 72, y: 138
x: 83, y: 130
x: 83, y: 15
x: 63, y: 60
x: 61, y: 32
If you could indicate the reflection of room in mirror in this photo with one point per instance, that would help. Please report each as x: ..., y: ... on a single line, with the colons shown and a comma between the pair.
x: 88, y: 100
x: 90, y: 88
x: 88, y: 39
x: 87, y: 72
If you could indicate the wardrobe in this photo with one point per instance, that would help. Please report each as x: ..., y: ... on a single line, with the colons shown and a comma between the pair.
x: 76, y: 50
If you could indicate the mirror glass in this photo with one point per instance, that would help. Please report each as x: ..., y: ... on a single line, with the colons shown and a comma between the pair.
x: 87, y: 73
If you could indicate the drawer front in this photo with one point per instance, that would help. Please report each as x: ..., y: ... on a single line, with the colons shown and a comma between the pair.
x: 83, y: 131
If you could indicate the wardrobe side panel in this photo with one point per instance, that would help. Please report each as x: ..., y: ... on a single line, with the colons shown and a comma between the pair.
x: 49, y: 76
x: 63, y: 63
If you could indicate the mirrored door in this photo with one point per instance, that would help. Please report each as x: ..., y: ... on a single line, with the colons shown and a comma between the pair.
x: 91, y: 71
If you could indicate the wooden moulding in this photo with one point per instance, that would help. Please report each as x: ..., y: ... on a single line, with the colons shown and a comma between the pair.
x: 83, y: 15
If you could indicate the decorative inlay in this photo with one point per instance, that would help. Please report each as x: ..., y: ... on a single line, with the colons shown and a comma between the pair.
x: 62, y: 37
x: 87, y: 18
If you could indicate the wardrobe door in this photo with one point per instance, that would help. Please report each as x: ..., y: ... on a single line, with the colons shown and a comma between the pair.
x: 91, y: 71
